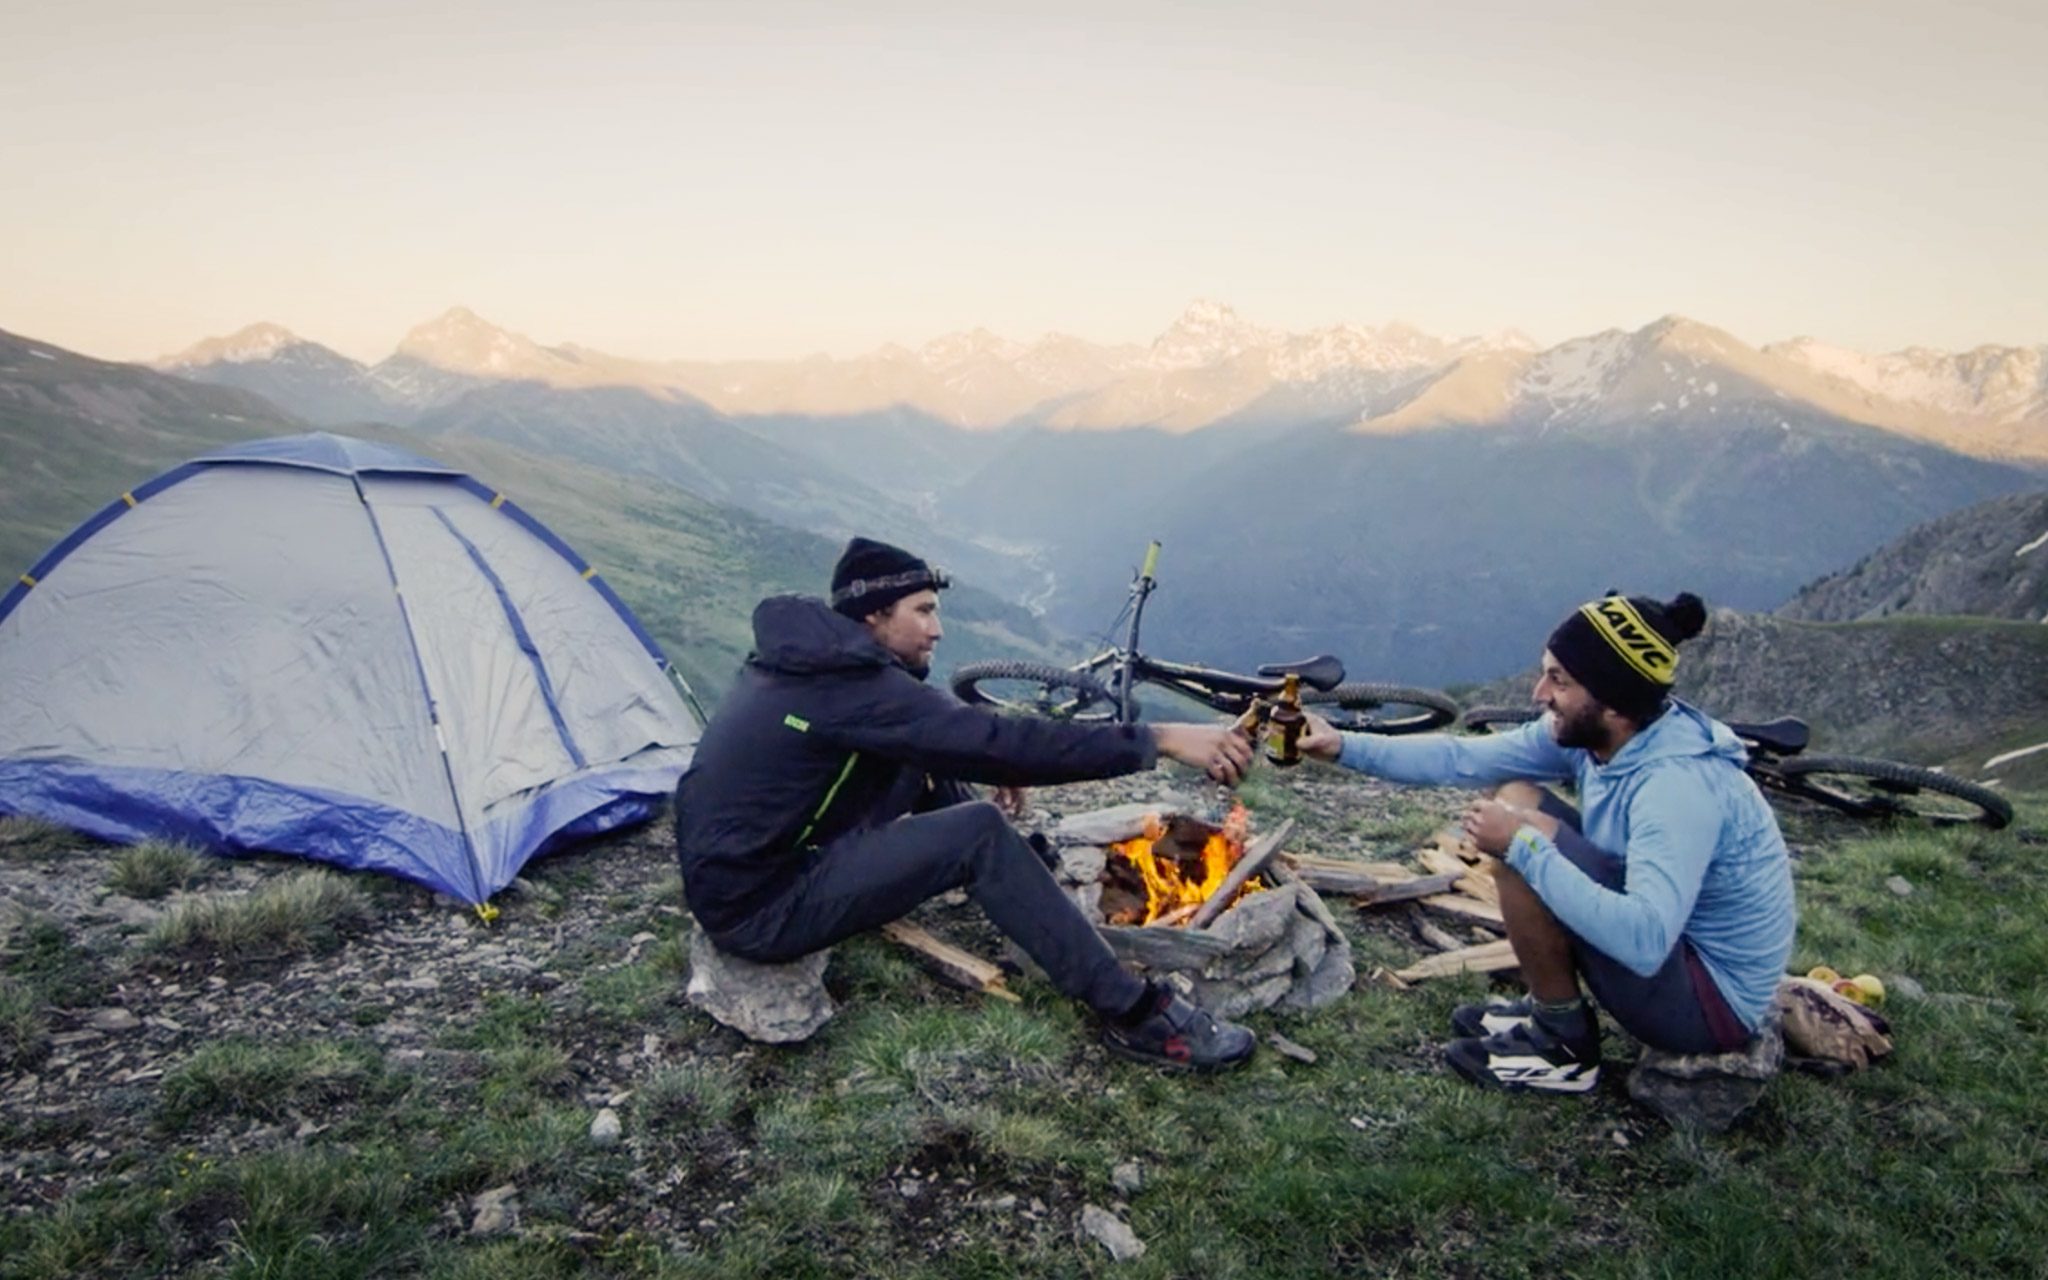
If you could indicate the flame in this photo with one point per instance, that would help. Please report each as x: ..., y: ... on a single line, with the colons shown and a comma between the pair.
x: 1168, y: 886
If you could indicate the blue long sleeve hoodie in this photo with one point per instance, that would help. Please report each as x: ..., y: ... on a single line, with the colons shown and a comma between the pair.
x: 1704, y: 857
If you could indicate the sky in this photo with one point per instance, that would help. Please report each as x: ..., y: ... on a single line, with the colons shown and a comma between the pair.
x: 769, y: 179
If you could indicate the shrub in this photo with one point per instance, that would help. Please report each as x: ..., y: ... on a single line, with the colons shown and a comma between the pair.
x: 298, y: 915
x: 153, y: 868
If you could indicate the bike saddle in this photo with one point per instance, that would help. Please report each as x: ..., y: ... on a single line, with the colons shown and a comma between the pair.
x: 1786, y: 735
x: 1322, y: 672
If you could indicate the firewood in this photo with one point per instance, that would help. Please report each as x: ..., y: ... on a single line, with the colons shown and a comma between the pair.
x: 1247, y: 866
x: 1434, y: 936
x: 1174, y: 917
x: 1487, y: 957
x: 1473, y: 881
x: 959, y: 967
x: 1420, y: 887
x: 1329, y: 875
x: 1461, y: 907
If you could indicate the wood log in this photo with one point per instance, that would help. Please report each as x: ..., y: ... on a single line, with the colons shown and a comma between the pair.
x: 1387, y: 872
x: 1434, y: 936
x: 1248, y: 866
x: 1487, y: 957
x: 1328, y: 875
x: 1461, y: 907
x: 962, y: 968
x: 1174, y: 917
x: 1473, y: 882
x: 1420, y: 887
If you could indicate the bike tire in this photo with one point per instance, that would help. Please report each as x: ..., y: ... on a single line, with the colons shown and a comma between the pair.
x: 1381, y: 708
x: 1496, y: 719
x: 1035, y: 688
x: 1888, y: 789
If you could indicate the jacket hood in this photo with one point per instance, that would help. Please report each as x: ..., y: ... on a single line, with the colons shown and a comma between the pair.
x: 801, y: 635
x: 1683, y: 730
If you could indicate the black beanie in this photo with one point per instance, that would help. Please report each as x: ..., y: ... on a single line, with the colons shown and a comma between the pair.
x: 871, y: 576
x: 1624, y: 649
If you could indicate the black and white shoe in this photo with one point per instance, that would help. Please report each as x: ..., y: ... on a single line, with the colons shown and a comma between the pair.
x: 1492, y: 1017
x: 1527, y: 1058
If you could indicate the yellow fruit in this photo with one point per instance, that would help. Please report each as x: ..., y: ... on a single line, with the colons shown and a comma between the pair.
x: 1871, y: 986
x: 1821, y: 973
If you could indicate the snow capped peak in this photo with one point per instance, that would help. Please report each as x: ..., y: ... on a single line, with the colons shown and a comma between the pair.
x: 1205, y: 333
x: 261, y: 341
x: 1577, y: 371
x: 1998, y: 384
x: 462, y: 340
x: 956, y: 348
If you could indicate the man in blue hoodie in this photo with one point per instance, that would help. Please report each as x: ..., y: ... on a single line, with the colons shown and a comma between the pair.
x: 1670, y: 894
x: 827, y: 797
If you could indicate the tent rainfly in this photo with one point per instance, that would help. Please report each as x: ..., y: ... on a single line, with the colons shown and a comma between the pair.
x: 337, y: 649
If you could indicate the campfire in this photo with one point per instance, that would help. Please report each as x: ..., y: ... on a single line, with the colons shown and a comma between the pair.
x: 1209, y: 909
x: 1166, y: 875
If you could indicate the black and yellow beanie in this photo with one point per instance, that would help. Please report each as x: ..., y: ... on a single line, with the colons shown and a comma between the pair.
x: 1624, y: 649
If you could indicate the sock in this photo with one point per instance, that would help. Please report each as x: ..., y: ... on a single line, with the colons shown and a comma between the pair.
x: 1140, y: 1009
x: 1569, y: 1020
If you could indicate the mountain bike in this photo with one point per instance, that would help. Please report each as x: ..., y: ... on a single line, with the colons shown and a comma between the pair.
x: 1855, y: 785
x: 1102, y: 688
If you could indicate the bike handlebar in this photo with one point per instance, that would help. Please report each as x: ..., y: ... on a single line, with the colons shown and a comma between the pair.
x: 1151, y: 561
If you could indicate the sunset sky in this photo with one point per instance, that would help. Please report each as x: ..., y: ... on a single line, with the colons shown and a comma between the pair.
x: 671, y: 179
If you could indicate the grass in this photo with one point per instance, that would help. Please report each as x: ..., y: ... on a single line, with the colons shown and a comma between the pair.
x: 266, y: 1079
x: 1002, y: 1121
x: 154, y: 868
x: 300, y: 914
x: 32, y: 840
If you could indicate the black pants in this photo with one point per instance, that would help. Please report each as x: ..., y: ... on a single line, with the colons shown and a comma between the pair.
x: 867, y: 878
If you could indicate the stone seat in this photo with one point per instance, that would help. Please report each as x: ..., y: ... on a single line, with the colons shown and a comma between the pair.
x: 771, y: 1003
x: 1709, y: 1091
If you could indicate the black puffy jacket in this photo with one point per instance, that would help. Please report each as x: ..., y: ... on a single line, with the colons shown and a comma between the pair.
x: 827, y: 733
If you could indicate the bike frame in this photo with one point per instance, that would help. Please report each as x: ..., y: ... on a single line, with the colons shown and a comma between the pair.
x: 1126, y: 667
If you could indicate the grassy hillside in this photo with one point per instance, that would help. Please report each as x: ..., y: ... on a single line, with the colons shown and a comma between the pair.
x: 331, y: 1097
x: 76, y: 432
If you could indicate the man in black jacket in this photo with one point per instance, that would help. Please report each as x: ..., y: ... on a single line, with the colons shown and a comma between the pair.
x: 826, y: 799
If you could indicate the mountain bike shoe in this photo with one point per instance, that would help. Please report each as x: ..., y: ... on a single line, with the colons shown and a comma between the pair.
x: 1526, y: 1058
x: 1492, y: 1017
x: 1179, y: 1036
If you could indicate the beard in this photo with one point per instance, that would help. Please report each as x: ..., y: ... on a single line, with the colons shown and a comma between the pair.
x: 1581, y: 729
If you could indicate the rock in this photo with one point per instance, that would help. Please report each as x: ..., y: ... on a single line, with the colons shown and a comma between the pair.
x: 910, y: 1188
x: 1122, y: 1243
x: 1127, y: 1178
x: 604, y: 1130
x: 1288, y: 1049
x: 1003, y: 1204
x: 1709, y: 1091
x: 1902, y: 985
x: 116, y: 1019
x: 772, y: 1003
x: 1082, y: 863
x: 496, y: 1211
x: 1900, y: 885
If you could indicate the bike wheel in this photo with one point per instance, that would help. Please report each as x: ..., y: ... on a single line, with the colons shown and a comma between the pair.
x: 1496, y: 719
x: 1035, y: 688
x: 1381, y: 708
x: 1888, y: 789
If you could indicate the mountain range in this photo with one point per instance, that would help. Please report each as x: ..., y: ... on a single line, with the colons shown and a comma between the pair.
x: 1209, y: 366
x: 76, y: 432
x: 1423, y: 507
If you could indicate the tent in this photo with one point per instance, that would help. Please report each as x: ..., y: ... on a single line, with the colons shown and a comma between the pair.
x: 332, y: 648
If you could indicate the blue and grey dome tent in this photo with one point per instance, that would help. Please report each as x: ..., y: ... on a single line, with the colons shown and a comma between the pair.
x: 332, y: 648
